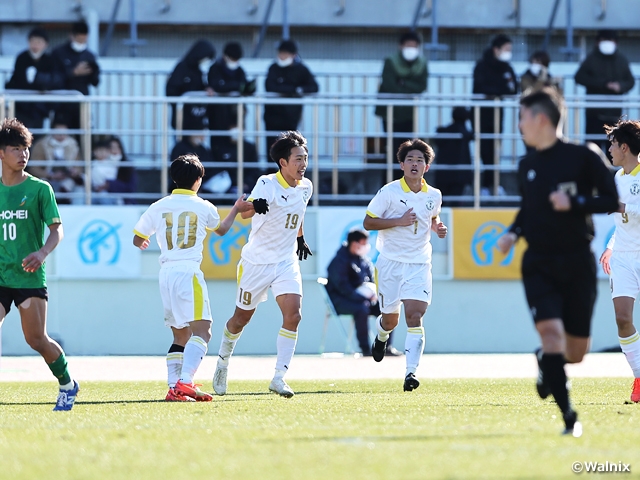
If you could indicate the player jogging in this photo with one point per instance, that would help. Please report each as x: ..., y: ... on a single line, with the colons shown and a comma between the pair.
x: 27, y: 204
x: 621, y: 259
x: 269, y: 260
x: 405, y: 211
x: 180, y: 222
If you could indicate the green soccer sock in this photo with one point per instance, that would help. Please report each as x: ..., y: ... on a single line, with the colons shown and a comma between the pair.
x: 60, y: 371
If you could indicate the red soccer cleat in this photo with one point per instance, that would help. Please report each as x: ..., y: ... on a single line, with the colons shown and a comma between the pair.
x: 191, y: 390
x: 174, y: 396
x: 635, y: 392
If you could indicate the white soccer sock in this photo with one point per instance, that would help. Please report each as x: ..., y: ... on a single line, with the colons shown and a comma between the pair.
x: 174, y: 368
x: 631, y: 349
x: 194, y: 352
x: 383, y: 335
x: 227, y: 344
x: 413, y: 347
x: 286, y: 345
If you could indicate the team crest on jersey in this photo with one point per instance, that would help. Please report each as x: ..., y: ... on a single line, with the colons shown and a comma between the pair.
x: 635, y: 189
x: 531, y: 175
x: 431, y: 205
x: 305, y: 195
x: 24, y: 200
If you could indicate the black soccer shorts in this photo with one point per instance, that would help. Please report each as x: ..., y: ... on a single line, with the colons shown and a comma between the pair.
x: 19, y: 295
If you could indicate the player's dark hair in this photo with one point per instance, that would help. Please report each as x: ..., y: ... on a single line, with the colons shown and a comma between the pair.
x: 410, y: 37
x: 80, y: 28
x: 185, y: 170
x: 625, y: 132
x: 13, y: 133
x: 415, y: 144
x: 546, y: 101
x: 286, y: 142
x: 356, y: 235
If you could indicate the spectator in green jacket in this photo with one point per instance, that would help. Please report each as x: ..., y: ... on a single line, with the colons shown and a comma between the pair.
x: 605, y: 71
x: 404, y: 72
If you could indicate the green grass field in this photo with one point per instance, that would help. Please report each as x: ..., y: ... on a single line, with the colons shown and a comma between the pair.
x: 334, y: 430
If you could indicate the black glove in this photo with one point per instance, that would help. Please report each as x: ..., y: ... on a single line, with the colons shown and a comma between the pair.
x: 303, y: 248
x: 261, y: 206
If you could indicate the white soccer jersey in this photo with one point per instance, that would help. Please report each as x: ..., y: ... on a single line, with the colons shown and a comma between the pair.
x: 627, y: 234
x: 406, y: 244
x: 273, y: 235
x: 180, y: 222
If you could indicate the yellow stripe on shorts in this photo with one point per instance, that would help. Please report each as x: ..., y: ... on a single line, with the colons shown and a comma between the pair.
x: 239, y: 272
x: 198, y: 299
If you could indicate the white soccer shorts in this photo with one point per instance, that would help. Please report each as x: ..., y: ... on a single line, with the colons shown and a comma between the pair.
x: 625, y: 274
x: 254, y: 281
x: 184, y: 294
x: 399, y: 281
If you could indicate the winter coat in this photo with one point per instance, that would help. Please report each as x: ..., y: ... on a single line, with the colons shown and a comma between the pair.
x: 291, y: 81
x: 493, y: 77
x: 49, y: 149
x: 224, y: 80
x: 345, y: 274
x: 187, y: 77
x: 454, y: 151
x: 66, y: 59
x: 400, y: 76
x: 530, y: 81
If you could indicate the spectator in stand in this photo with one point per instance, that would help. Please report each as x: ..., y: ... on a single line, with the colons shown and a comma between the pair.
x: 537, y: 75
x: 34, y: 70
x: 289, y: 77
x: 455, y: 151
x: 605, y: 71
x: 110, y: 173
x: 59, y: 146
x: 494, y: 78
x: 405, y: 72
x: 126, y: 179
x: 194, y: 144
x: 78, y: 67
x: 227, y: 77
x: 189, y: 76
x: 226, y: 150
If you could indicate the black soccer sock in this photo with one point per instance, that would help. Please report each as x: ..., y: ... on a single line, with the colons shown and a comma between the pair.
x: 556, y: 378
x: 176, y: 348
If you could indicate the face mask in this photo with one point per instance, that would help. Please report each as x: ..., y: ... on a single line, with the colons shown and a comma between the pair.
x: 197, y: 141
x: 115, y: 158
x: 233, y: 133
x: 34, y: 55
x: 535, y: 68
x: 505, y: 56
x: 284, y: 63
x: 204, y: 65
x: 363, y: 250
x: 232, y: 65
x: 607, y: 47
x: 78, y: 47
x: 410, y: 53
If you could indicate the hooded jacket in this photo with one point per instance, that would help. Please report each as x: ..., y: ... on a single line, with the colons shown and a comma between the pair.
x: 400, y: 76
x: 493, y: 77
x: 187, y: 77
x: 67, y: 59
x: 224, y: 80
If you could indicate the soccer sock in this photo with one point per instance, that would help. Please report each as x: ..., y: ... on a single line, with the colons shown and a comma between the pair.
x: 383, y: 335
x: 285, y: 345
x: 61, y: 372
x: 227, y: 344
x: 174, y: 364
x: 413, y: 347
x: 556, y: 378
x: 631, y: 349
x: 194, y: 352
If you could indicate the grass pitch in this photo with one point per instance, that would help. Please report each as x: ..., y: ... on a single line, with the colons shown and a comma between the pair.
x: 344, y: 429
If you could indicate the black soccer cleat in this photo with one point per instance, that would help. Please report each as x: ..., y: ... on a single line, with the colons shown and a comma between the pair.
x: 410, y: 382
x: 378, y: 349
x: 543, y: 388
x: 571, y: 424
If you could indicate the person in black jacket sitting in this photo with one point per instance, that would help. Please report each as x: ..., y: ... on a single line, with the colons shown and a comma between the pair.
x: 188, y: 76
x: 79, y: 69
x: 227, y: 77
x: 34, y: 70
x: 493, y: 77
x: 350, y: 287
x: 290, y: 78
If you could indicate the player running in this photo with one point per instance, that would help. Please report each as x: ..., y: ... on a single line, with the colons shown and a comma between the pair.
x: 27, y: 204
x: 621, y: 258
x: 180, y: 222
x: 269, y: 257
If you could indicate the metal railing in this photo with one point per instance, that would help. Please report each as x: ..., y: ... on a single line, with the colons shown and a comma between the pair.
x: 348, y: 120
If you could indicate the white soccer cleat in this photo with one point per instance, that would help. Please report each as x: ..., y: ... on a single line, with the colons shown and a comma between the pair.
x: 279, y: 386
x: 220, y: 380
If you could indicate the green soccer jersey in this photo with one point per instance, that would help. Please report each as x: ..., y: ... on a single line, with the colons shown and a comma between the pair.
x: 24, y: 211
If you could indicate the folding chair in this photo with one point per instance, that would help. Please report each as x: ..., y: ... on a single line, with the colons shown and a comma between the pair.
x: 332, y: 315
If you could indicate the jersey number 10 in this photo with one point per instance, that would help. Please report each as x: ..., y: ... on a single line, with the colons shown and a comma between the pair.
x: 9, y: 231
x: 183, y: 231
